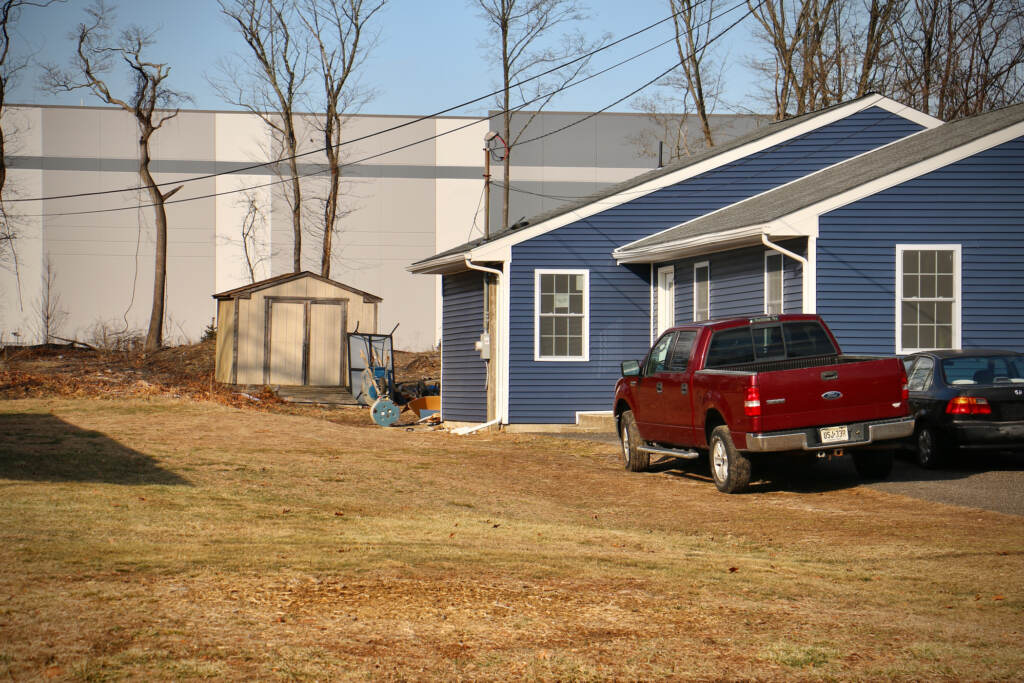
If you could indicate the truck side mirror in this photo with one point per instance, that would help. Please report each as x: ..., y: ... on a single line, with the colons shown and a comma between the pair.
x: 630, y: 368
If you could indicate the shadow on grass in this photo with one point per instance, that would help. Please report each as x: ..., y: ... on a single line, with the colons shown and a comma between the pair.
x: 806, y: 474
x: 45, y: 448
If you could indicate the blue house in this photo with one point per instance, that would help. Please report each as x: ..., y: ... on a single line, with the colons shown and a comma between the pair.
x: 537, y: 318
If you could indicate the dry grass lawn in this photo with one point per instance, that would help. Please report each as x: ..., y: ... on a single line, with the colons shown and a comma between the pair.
x: 161, y: 539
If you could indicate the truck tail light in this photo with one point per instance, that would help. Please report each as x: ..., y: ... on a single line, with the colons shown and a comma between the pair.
x: 968, y: 405
x: 752, y: 404
x: 905, y: 395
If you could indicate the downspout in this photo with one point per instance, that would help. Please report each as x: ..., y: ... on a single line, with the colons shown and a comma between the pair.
x: 497, y: 351
x: 808, y: 280
x: 785, y: 252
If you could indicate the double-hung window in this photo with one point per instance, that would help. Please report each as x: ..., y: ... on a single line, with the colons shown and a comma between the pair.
x: 927, y: 297
x: 701, y: 291
x: 562, y: 312
x: 772, y: 282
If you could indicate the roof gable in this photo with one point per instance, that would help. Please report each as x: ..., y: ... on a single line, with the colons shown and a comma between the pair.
x: 494, y: 249
x: 831, y: 187
x: 246, y: 291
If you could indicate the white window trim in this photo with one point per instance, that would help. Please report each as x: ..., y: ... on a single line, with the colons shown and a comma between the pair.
x: 701, y: 264
x: 537, y: 273
x: 769, y: 253
x: 661, y: 300
x: 957, y: 297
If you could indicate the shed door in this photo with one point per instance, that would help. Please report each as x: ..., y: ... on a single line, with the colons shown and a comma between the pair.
x: 287, y: 339
x: 326, y: 340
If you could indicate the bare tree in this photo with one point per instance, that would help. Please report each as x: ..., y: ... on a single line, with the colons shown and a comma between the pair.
x: 962, y: 57
x: 339, y: 32
x: 150, y: 105
x: 519, y: 29
x: 270, y: 85
x: 51, y: 316
x: 253, y: 221
x: 693, y: 21
x: 10, y: 66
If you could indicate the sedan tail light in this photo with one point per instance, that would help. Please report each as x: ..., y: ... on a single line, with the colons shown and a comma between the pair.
x: 968, y: 405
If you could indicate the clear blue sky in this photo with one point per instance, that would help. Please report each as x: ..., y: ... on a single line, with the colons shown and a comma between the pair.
x: 428, y: 58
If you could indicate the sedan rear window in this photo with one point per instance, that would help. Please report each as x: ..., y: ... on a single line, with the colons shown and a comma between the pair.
x: 983, y: 370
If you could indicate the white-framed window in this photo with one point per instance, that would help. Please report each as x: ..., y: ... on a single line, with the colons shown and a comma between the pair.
x: 927, y: 297
x: 666, y: 298
x: 561, y: 323
x: 702, y: 290
x: 773, y: 272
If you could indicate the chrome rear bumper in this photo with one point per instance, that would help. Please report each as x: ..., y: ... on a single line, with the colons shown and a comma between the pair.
x: 861, y: 433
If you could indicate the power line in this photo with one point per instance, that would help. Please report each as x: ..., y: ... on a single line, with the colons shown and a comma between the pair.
x: 369, y: 135
x: 411, y: 144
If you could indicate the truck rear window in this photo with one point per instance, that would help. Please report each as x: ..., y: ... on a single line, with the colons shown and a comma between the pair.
x: 798, y: 339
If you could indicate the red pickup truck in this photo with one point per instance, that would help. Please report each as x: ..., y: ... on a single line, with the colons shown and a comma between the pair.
x: 740, y: 387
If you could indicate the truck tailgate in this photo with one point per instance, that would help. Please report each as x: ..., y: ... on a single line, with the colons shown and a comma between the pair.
x: 854, y: 390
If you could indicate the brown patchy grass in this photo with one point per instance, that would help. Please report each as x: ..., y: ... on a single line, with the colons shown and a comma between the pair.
x: 161, y: 539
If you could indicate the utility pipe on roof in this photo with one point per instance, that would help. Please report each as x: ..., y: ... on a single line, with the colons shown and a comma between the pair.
x: 497, y: 351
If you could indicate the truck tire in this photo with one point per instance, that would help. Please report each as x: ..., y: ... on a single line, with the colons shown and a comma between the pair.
x: 729, y: 468
x: 633, y: 459
x: 873, y: 465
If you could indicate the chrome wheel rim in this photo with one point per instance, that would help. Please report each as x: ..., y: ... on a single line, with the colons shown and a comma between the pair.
x: 719, y: 461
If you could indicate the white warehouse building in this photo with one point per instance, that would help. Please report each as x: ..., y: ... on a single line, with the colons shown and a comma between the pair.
x: 85, y: 232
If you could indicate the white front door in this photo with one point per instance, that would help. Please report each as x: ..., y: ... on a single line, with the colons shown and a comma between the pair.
x: 666, y: 298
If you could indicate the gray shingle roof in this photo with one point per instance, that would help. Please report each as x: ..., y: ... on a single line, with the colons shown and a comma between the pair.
x: 837, y: 179
x: 638, y: 180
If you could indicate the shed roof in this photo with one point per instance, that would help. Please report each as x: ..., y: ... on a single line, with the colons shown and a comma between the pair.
x: 829, y: 182
x: 678, y: 166
x: 246, y: 291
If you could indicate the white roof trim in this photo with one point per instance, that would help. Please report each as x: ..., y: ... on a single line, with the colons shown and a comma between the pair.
x: 934, y: 163
x: 500, y: 245
x: 804, y: 222
x: 701, y: 244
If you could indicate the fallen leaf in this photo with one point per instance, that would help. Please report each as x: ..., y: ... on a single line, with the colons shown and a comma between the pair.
x: 339, y: 514
x: 998, y: 597
x: 733, y: 570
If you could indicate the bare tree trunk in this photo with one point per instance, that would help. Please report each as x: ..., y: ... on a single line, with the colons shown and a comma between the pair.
x: 155, y: 333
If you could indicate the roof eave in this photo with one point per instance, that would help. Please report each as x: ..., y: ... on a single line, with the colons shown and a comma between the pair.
x: 694, y: 246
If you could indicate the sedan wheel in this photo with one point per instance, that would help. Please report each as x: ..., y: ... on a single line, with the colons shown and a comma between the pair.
x: 929, y: 453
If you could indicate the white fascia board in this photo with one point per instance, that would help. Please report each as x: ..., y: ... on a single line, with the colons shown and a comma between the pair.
x: 718, y: 241
x: 811, y: 213
x: 701, y: 244
x: 452, y: 263
x: 483, y: 252
x: 907, y: 112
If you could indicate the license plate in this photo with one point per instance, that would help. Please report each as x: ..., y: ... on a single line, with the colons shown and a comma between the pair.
x: 834, y: 434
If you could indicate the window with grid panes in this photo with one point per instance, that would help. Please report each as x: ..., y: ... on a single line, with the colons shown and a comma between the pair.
x: 562, y: 315
x: 928, y: 298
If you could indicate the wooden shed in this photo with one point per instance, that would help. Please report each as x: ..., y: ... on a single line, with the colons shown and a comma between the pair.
x: 290, y: 330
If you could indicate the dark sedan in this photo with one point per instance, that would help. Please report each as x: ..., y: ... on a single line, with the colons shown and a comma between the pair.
x: 970, y: 399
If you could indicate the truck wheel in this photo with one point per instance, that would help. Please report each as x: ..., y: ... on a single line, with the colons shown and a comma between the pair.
x: 930, y: 452
x: 873, y: 465
x: 729, y: 468
x: 634, y: 460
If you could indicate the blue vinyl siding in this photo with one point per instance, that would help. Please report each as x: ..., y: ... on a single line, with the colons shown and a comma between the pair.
x: 737, y: 282
x: 463, y: 372
x: 546, y: 392
x: 977, y: 203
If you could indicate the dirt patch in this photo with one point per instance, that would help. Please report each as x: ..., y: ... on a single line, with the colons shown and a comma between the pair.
x: 179, y: 372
